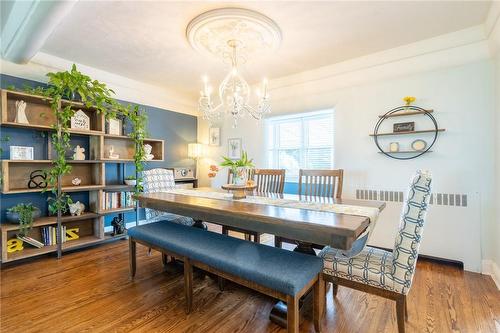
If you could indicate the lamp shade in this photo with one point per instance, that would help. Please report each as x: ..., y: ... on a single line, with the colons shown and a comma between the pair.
x: 195, y: 150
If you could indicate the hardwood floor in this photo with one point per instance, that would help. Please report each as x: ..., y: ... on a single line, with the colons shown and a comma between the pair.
x: 89, y: 291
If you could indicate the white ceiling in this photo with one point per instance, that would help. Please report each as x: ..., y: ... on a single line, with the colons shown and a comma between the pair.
x: 146, y: 41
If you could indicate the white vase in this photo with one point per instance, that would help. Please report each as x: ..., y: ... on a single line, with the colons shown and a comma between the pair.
x: 240, y: 176
x: 20, y: 113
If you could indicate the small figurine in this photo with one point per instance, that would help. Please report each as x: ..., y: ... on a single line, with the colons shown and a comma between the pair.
x: 76, y: 181
x: 20, y: 113
x: 147, y: 152
x: 79, y: 154
x: 112, y: 154
x: 76, y: 209
x: 118, y: 225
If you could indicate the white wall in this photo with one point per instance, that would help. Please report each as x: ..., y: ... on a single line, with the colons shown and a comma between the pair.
x: 463, y: 158
x: 493, y: 29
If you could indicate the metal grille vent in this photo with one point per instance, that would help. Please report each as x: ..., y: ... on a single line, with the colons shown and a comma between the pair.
x: 440, y: 199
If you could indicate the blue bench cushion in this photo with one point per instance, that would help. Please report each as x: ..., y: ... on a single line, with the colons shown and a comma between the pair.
x: 285, y: 271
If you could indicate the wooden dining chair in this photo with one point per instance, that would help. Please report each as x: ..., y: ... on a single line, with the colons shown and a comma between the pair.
x: 383, y: 273
x: 317, y: 183
x: 322, y: 183
x: 267, y: 181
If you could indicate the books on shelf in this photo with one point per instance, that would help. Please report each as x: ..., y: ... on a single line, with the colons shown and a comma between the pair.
x: 114, y: 200
x: 49, y: 235
x: 30, y: 241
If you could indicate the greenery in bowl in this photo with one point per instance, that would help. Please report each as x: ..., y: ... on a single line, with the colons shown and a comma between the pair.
x: 130, y: 180
x: 27, y: 214
x: 236, y: 165
x: 63, y: 204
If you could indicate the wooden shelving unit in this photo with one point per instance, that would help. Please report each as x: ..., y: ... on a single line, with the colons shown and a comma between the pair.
x: 91, y: 171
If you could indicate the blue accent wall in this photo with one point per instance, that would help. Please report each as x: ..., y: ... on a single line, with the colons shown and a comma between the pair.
x: 175, y: 128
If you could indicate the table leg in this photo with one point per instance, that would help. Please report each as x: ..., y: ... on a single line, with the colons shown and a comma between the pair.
x: 278, y: 314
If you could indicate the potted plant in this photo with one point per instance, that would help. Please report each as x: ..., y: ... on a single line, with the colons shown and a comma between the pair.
x: 130, y: 180
x: 239, y: 168
x: 24, y: 214
x: 63, y: 204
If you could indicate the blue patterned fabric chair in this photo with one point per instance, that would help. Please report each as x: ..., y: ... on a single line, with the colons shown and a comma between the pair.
x: 160, y: 180
x: 383, y: 273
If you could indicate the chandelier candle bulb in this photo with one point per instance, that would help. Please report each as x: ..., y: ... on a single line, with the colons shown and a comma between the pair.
x: 233, y: 34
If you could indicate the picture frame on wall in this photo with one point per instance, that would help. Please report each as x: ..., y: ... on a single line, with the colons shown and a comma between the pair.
x: 214, y: 136
x: 21, y: 153
x: 234, y: 148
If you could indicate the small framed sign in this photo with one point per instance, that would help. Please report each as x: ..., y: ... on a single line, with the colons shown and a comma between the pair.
x: 80, y: 121
x: 404, y: 127
x: 115, y: 126
x: 21, y: 153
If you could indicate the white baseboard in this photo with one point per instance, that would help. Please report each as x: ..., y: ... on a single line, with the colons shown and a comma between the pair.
x: 491, y: 268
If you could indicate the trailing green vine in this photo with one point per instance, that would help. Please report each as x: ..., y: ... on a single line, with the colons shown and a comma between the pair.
x: 93, y: 94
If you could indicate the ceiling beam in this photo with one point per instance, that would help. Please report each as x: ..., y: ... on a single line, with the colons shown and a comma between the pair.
x: 28, y: 25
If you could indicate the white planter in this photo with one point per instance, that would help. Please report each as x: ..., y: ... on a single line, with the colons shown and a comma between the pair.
x: 131, y: 182
x: 240, y: 176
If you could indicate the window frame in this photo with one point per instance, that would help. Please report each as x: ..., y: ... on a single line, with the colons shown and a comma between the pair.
x: 273, y: 134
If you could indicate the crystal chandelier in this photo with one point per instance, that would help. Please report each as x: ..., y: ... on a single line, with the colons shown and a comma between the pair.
x: 233, y: 34
x: 234, y: 93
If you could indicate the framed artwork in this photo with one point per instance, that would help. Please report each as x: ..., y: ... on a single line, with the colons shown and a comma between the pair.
x: 21, y: 153
x: 115, y: 126
x: 234, y: 148
x: 214, y: 136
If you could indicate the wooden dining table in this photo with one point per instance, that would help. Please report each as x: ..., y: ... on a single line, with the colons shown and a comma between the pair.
x: 307, y: 226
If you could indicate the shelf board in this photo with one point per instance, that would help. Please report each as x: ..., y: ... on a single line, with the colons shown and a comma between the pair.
x: 118, y: 188
x: 109, y: 237
x: 408, y: 132
x: 50, y: 220
x: 65, y: 189
x: 24, y: 94
x: 405, y: 113
x: 30, y: 251
x: 117, y: 210
x: 50, y: 161
x: 126, y: 137
x: 404, y: 152
x: 49, y: 128
x: 81, y: 242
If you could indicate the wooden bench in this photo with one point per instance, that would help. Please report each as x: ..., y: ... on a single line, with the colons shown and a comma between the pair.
x: 281, y: 274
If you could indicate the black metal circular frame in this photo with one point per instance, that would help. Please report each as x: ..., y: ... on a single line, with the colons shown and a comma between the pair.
x: 402, y: 109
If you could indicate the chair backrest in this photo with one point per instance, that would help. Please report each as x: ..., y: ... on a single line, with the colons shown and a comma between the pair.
x: 324, y: 183
x: 157, y: 180
x: 269, y: 180
x: 411, y: 226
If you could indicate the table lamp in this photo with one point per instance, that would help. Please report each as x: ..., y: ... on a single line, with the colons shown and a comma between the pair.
x: 195, y: 151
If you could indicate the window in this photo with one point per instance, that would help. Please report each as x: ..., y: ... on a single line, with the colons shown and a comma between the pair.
x: 302, y: 141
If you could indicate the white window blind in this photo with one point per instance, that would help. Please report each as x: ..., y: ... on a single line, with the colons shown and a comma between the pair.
x: 302, y: 141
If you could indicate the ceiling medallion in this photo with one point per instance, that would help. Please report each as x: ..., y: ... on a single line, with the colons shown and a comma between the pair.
x: 233, y: 35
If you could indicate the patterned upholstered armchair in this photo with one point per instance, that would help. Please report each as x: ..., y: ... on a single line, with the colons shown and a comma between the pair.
x: 159, y: 180
x: 383, y: 273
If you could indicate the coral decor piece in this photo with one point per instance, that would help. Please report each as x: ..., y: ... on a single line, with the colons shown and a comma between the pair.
x: 213, y: 169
